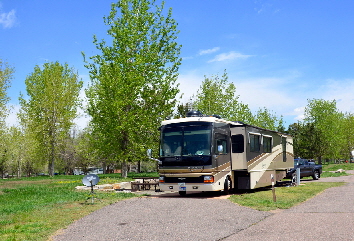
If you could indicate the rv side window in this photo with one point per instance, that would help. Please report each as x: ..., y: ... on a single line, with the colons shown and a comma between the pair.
x: 221, y: 145
x: 254, y: 143
x: 237, y: 143
x: 267, y: 144
x: 283, y: 141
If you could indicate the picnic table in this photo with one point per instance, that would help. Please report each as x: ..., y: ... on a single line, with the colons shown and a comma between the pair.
x: 145, y: 183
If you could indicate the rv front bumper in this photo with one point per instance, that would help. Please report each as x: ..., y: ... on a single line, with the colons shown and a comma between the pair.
x: 189, y: 187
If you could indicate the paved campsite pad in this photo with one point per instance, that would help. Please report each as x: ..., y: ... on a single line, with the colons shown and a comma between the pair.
x: 166, y: 218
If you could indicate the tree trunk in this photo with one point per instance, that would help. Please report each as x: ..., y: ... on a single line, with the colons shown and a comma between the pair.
x: 51, y: 167
x: 320, y: 160
x: 19, y: 171
x: 124, y: 169
x: 104, y: 167
x: 51, y: 158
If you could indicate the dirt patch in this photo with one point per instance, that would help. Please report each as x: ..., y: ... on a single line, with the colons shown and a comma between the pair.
x: 220, y: 197
x: 277, y: 210
x: 13, y: 184
x: 57, y: 233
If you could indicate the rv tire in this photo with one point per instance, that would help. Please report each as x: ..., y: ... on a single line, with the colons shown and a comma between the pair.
x: 182, y: 193
x: 227, y: 186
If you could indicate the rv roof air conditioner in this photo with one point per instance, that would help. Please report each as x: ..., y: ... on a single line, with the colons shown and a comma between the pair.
x: 194, y: 113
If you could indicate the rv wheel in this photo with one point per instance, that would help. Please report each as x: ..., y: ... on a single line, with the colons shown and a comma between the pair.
x: 182, y: 193
x: 227, y: 186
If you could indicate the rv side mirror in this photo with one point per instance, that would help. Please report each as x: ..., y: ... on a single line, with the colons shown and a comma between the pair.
x: 149, y: 153
x: 220, y: 148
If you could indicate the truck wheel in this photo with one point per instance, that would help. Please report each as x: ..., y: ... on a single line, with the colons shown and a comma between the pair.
x: 293, y: 179
x: 316, y: 175
x: 182, y: 193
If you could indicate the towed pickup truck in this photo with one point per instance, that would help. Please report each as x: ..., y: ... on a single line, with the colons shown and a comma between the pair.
x: 307, y: 169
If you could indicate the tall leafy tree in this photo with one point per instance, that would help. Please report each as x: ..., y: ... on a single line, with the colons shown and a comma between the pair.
x: 25, y: 141
x: 4, y: 157
x: 50, y: 108
x: 217, y: 96
x: 324, y: 117
x: 86, y: 153
x: 16, y: 151
x: 267, y: 119
x: 6, y: 74
x: 346, y: 134
x: 68, y: 153
x: 305, y: 136
x: 133, y: 79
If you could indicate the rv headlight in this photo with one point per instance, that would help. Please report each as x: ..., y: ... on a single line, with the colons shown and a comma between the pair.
x: 208, y: 179
x: 161, y: 179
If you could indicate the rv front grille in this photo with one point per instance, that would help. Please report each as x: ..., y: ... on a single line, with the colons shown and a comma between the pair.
x: 184, y: 179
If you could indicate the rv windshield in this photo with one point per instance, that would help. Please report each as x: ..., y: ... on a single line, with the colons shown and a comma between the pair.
x: 186, y: 141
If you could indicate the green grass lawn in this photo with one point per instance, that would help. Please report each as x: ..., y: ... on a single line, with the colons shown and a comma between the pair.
x: 34, y: 208
x: 328, y: 169
x: 335, y: 167
x: 262, y: 199
x: 286, y: 197
x: 332, y: 174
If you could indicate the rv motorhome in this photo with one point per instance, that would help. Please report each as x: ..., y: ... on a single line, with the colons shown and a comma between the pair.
x: 207, y: 153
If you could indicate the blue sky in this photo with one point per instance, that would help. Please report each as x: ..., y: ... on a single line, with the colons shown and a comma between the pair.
x: 278, y: 53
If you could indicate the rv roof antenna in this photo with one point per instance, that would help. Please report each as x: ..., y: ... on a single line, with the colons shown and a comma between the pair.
x: 190, y: 105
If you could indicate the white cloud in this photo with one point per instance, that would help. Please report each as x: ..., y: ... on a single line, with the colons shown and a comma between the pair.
x: 272, y: 93
x: 299, y: 113
x: 264, y: 92
x: 265, y: 8
x: 341, y: 91
x: 187, y: 58
x: 209, y: 51
x: 289, y: 99
x: 286, y: 95
x: 189, y: 83
x: 7, y: 20
x: 229, y: 56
